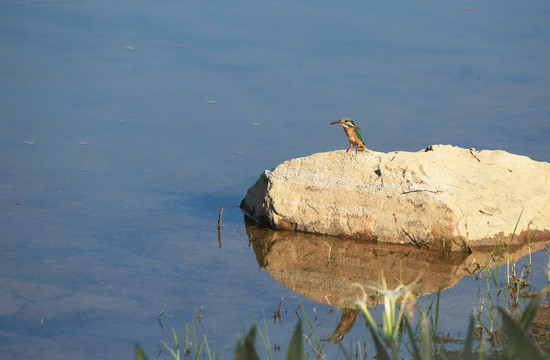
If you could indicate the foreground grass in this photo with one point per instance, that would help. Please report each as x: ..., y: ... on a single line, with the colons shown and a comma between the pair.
x: 395, y: 333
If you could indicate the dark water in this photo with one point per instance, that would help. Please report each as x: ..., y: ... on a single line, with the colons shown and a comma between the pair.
x: 125, y: 125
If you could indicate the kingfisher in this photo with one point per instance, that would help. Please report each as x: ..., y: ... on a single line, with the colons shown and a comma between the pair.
x: 353, y: 133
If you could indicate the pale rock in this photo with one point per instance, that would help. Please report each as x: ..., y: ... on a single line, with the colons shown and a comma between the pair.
x: 442, y: 197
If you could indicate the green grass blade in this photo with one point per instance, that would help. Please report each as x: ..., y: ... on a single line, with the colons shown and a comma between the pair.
x: 296, y: 347
x: 343, y: 350
x: 531, y: 310
x: 438, y: 299
x: 139, y: 353
x: 170, y: 350
x: 175, y: 337
x: 314, y: 337
x: 415, y: 350
x: 266, y: 339
x: 468, y: 342
x: 513, y: 233
x: 520, y: 343
x: 381, y: 353
x: 426, y: 343
x: 245, y: 349
x: 207, y: 348
x: 483, y: 349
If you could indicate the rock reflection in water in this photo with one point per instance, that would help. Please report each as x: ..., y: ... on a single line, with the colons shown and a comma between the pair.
x: 323, y: 268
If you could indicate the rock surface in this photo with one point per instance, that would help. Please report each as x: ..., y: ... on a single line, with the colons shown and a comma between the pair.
x: 443, y: 197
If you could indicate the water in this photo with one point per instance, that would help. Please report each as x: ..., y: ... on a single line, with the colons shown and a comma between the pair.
x: 125, y: 126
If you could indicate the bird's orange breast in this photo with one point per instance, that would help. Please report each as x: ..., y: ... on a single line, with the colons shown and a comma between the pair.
x: 352, y: 137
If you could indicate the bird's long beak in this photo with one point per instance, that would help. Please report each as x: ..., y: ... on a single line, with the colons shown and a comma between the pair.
x: 336, y: 122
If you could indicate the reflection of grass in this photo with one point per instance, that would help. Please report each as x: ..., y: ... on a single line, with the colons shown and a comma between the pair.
x: 516, y: 286
x: 329, y: 249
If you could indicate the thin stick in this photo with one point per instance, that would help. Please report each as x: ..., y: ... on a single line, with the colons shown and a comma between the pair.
x: 280, y: 303
x: 199, y: 316
x: 220, y: 218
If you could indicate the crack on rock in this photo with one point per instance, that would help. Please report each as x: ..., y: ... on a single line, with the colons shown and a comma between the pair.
x: 412, y: 238
x: 314, y: 209
x: 421, y: 169
x: 474, y: 155
x: 420, y: 190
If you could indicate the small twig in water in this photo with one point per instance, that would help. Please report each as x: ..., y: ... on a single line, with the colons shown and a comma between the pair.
x: 277, y: 313
x: 329, y: 311
x: 219, y: 228
x: 220, y: 217
x: 199, y: 316
x: 296, y: 311
x: 319, y: 354
x: 158, y: 319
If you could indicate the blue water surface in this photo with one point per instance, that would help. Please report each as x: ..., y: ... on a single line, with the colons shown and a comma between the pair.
x: 126, y: 125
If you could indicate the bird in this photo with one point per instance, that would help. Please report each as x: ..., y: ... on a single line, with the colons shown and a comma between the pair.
x: 353, y: 133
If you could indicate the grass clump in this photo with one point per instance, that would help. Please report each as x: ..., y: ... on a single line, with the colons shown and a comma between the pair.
x: 388, y: 337
x: 395, y: 331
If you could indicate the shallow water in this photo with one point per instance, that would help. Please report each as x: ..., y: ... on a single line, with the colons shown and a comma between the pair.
x: 125, y: 126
